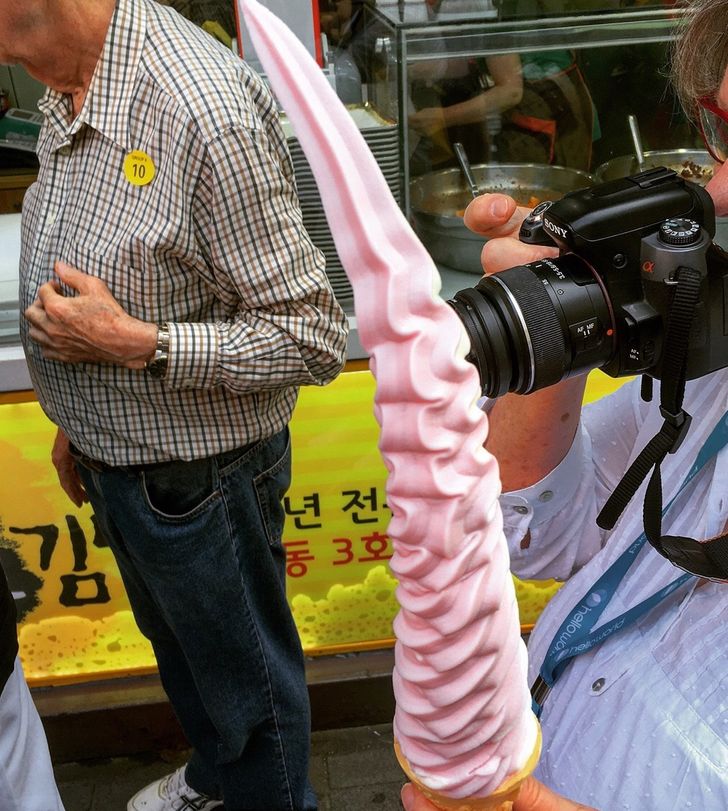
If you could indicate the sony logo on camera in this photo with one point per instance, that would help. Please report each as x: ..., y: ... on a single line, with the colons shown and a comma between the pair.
x: 555, y: 229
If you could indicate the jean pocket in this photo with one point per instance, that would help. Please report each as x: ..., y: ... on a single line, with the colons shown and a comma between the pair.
x: 180, y: 490
x: 271, y: 486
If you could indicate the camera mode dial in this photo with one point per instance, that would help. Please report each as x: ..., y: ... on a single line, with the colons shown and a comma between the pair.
x: 679, y: 231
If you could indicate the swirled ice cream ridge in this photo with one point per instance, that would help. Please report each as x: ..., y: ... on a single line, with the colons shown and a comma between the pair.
x: 463, y: 717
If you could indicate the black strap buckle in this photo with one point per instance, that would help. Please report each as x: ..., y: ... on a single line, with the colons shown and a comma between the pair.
x: 539, y: 693
x: 680, y: 422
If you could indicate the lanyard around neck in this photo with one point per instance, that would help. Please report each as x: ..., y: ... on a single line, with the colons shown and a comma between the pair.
x: 577, y: 634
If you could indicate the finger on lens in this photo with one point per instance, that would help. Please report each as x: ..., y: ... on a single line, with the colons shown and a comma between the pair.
x: 501, y: 254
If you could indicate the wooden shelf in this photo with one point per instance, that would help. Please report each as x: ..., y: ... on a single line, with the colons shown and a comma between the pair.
x: 13, y: 185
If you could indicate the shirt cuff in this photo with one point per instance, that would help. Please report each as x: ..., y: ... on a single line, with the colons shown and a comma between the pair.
x: 194, y: 350
x: 542, y: 501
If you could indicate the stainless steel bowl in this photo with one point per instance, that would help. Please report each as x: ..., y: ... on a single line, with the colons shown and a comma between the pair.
x: 679, y: 160
x: 437, y: 197
x: 682, y: 161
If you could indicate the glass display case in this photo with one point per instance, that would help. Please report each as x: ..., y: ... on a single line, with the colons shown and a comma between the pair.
x: 544, y: 96
x: 217, y: 17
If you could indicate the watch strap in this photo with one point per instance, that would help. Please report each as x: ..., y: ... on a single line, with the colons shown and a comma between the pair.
x: 156, y: 366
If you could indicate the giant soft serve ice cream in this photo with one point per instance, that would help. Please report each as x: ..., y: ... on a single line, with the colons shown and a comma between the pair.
x: 463, y: 721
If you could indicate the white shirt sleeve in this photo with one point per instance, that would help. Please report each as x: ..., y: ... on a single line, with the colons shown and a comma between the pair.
x: 551, y: 525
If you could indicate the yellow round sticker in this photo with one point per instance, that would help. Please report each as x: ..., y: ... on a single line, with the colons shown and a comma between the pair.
x: 139, y: 168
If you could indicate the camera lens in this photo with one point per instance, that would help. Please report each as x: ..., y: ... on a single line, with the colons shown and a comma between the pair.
x: 533, y: 325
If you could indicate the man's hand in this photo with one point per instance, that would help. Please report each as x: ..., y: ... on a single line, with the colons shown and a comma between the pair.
x: 428, y: 121
x: 534, y: 796
x: 413, y: 800
x: 498, y: 217
x: 65, y: 466
x: 90, y: 326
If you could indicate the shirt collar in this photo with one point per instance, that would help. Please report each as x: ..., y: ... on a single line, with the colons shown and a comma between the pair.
x: 109, y: 97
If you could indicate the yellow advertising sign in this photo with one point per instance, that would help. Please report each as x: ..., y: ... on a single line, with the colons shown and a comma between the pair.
x: 75, y: 621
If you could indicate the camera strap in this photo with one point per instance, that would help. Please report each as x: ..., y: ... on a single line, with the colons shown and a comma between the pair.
x: 703, y: 558
x: 580, y: 631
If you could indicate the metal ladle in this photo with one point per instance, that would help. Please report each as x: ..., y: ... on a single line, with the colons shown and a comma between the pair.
x: 634, y: 131
x: 466, y: 169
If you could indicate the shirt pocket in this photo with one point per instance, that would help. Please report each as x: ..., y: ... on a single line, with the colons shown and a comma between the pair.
x: 132, y: 287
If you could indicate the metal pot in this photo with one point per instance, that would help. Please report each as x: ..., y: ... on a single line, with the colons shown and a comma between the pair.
x: 437, y: 197
x: 695, y: 165
x: 679, y: 160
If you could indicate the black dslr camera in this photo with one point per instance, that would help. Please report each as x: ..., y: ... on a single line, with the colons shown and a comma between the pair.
x: 606, y: 301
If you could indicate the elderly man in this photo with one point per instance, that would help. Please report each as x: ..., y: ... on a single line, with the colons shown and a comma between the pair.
x: 173, y: 305
x: 637, y: 720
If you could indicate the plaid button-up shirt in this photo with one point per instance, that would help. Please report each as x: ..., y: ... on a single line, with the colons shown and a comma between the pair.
x: 214, y: 246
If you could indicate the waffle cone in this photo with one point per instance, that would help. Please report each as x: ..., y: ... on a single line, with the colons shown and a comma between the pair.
x: 500, y: 800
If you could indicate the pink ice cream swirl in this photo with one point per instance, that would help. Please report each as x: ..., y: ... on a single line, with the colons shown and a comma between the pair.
x: 463, y: 718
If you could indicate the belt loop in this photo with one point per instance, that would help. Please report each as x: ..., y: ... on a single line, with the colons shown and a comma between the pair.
x: 92, y: 464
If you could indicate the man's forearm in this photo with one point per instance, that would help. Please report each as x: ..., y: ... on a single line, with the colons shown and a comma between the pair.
x: 529, y: 435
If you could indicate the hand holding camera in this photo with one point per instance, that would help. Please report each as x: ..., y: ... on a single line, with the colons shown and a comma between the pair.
x: 638, y: 287
x: 605, y: 300
x: 498, y: 217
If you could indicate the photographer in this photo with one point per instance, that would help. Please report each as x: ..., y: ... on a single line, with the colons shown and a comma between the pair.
x: 639, y: 718
x: 26, y: 772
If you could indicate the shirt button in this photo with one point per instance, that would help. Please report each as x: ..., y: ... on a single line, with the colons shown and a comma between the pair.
x: 521, y: 510
x: 547, y: 495
x: 65, y: 151
x: 598, y: 685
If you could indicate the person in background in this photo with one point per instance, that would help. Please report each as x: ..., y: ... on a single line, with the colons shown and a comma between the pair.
x: 555, y: 121
x: 26, y: 772
x: 509, y: 108
x: 173, y: 305
x: 335, y: 17
x: 535, y: 108
x: 636, y: 718
x: 458, y: 101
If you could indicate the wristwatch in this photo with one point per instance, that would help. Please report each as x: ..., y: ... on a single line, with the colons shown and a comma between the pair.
x: 156, y: 366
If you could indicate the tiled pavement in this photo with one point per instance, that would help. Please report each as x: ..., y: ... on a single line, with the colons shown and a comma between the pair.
x: 351, y: 769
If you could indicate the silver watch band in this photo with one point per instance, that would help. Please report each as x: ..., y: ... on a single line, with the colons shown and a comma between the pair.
x: 156, y: 366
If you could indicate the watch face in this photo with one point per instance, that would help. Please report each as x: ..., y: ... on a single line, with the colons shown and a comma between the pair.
x: 158, y: 366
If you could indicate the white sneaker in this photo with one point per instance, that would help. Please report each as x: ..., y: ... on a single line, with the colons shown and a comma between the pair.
x: 171, y: 793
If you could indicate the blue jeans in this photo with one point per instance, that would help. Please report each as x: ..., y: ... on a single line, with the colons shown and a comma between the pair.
x: 199, y: 547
